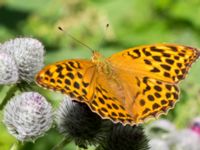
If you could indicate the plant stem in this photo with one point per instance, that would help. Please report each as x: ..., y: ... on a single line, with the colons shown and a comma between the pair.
x: 16, y: 146
x: 9, y: 94
x: 1, y: 87
x: 60, y: 145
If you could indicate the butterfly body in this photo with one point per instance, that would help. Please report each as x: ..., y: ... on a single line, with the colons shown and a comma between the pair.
x: 128, y: 87
x: 101, y: 63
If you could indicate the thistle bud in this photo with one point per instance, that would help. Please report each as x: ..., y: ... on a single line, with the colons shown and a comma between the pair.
x: 28, y: 116
x: 28, y: 54
x: 8, y: 69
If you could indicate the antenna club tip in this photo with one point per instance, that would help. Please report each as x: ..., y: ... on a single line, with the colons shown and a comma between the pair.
x: 60, y: 28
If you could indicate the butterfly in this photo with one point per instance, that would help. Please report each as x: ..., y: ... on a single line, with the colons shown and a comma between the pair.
x: 129, y: 87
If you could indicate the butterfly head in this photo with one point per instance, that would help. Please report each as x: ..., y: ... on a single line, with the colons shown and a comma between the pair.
x: 97, y: 57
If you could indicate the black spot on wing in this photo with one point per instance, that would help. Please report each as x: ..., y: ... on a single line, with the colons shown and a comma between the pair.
x: 170, y: 61
x: 173, y: 48
x: 155, y: 70
x: 48, y: 73
x: 59, y: 68
x: 157, y: 58
x: 155, y: 106
x: 154, y: 49
x: 70, y: 75
x: 166, y: 67
x: 148, y: 62
x: 146, y: 53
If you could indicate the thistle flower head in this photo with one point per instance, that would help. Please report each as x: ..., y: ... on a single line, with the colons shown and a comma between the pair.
x: 8, y: 69
x: 160, y: 128
x: 158, y: 144
x: 28, y: 116
x: 126, y: 138
x: 28, y: 54
x: 77, y: 121
x: 185, y: 139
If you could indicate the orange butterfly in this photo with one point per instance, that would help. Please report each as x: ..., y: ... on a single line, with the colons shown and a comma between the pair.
x: 128, y: 87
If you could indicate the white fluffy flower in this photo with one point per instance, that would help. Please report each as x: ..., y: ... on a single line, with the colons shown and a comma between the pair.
x: 160, y: 129
x: 158, y: 144
x: 185, y: 140
x: 8, y: 69
x: 28, y: 54
x: 28, y: 116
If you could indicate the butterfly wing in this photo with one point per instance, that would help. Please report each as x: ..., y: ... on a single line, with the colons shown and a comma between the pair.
x: 138, y: 98
x: 81, y: 80
x: 107, y: 103
x: 148, y: 75
x: 71, y: 77
x: 146, y: 97
x: 165, y: 62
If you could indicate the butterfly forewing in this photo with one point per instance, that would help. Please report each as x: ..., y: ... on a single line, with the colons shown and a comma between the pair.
x: 71, y: 77
x: 166, y: 62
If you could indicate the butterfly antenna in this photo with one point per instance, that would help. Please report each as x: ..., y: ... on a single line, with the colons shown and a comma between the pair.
x: 61, y: 29
x: 107, y: 26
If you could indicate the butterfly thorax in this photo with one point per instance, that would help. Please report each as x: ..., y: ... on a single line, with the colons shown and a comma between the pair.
x: 106, y: 71
x: 102, y: 64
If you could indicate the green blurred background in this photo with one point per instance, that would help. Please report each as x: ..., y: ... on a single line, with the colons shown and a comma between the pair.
x: 131, y: 23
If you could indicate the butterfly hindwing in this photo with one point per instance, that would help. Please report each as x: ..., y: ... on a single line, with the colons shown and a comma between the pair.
x: 146, y: 97
x: 155, y: 98
x: 109, y: 107
x: 106, y: 102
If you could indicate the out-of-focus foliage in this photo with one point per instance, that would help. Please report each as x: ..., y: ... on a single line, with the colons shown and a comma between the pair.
x: 131, y: 23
